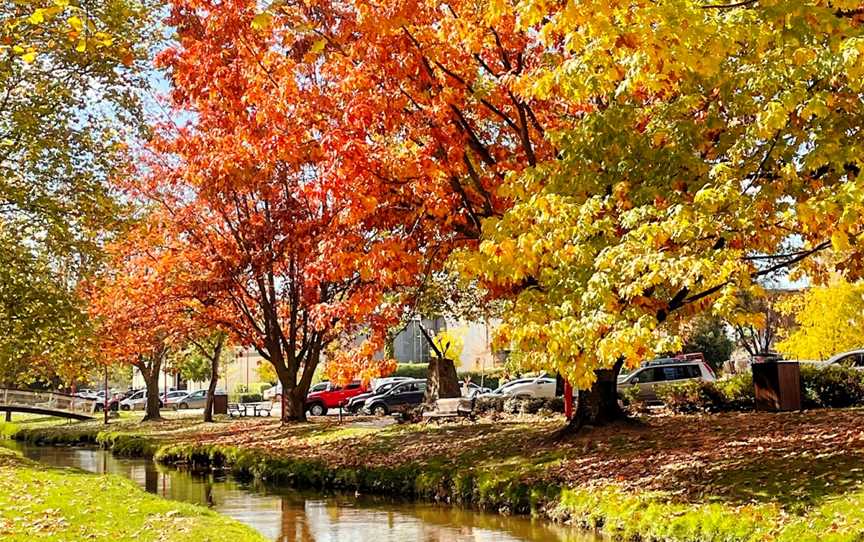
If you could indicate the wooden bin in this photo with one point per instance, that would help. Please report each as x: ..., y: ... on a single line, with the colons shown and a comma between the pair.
x: 777, y: 386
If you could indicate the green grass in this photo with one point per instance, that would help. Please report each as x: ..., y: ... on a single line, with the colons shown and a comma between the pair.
x: 60, y: 505
x: 790, y: 477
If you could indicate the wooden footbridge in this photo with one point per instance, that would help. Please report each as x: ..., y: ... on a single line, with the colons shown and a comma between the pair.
x: 47, y: 403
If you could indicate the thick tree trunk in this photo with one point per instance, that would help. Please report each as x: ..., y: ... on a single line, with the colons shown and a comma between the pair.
x: 151, y: 381
x: 599, y: 405
x: 293, y: 404
x: 441, y: 381
x: 211, y: 389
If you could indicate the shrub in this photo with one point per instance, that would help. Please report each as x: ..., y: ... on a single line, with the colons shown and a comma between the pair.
x: 511, y: 405
x: 834, y: 386
x: 735, y: 393
x: 245, y: 398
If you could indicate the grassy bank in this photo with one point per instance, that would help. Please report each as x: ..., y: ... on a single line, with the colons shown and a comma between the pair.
x: 38, y: 503
x: 747, y: 477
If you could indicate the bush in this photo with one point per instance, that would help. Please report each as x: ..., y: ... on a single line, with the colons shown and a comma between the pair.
x: 511, y: 405
x: 735, y: 393
x: 245, y: 398
x: 834, y: 386
x: 822, y: 387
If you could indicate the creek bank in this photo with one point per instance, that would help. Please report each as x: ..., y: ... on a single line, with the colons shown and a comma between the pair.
x: 697, y: 489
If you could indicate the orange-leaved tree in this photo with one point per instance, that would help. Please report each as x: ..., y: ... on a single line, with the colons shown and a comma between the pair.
x: 293, y: 252
x: 139, y: 310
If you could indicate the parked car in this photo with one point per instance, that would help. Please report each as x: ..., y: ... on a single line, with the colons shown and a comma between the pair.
x: 355, y: 404
x: 138, y: 401
x: 318, y: 402
x: 275, y: 393
x: 665, y: 371
x: 195, y: 399
x: 400, y: 397
x: 113, y: 402
x: 526, y: 388
x: 853, y: 358
x: 174, y: 397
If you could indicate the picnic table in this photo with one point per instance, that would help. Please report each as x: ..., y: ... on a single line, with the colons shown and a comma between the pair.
x: 249, y: 409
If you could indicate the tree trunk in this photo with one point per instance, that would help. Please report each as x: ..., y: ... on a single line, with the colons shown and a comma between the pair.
x: 293, y: 404
x: 214, y: 378
x: 441, y: 381
x: 8, y: 415
x: 211, y: 389
x: 599, y: 405
x: 151, y: 381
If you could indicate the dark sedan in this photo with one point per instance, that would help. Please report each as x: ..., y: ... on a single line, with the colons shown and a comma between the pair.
x: 355, y: 404
x: 402, y: 396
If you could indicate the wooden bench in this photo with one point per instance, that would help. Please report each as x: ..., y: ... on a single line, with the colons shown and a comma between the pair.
x: 452, y: 408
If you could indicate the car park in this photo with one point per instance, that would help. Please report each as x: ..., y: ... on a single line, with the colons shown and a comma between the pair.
x: 333, y: 396
x: 399, y: 398
x: 664, y: 371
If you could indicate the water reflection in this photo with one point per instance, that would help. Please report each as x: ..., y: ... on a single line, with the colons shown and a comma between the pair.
x: 289, y: 516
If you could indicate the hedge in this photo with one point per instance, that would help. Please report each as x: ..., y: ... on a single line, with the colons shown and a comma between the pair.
x: 834, y: 386
x: 245, y: 398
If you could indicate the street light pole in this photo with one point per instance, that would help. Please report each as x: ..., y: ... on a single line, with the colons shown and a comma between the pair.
x: 105, y: 402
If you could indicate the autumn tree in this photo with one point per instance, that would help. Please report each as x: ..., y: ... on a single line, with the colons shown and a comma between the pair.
x: 71, y: 78
x: 716, y: 145
x: 827, y: 320
x: 297, y: 251
x: 140, y: 309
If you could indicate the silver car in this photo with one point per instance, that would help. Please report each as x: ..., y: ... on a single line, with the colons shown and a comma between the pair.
x: 664, y: 371
x: 195, y: 399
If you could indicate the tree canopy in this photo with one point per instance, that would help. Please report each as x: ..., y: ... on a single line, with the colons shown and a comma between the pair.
x: 70, y: 80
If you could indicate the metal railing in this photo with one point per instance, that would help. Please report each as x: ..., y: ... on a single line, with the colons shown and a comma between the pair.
x: 46, y: 400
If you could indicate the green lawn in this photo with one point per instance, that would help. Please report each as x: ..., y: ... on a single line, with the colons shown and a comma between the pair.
x: 795, y: 476
x: 60, y: 505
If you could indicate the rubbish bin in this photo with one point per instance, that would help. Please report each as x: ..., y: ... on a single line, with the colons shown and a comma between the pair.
x: 777, y: 386
x: 220, y: 402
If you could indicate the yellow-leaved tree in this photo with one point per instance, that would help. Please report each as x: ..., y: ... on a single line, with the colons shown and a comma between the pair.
x: 830, y: 320
x: 706, y: 146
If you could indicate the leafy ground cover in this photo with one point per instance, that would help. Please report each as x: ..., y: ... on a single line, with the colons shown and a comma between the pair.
x: 731, y: 476
x: 38, y: 503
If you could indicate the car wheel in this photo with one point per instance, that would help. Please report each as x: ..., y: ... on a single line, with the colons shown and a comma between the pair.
x: 318, y: 409
x: 124, y: 407
x: 379, y: 410
x: 183, y: 406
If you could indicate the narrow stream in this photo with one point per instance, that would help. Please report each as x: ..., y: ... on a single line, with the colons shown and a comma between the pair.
x: 284, y: 515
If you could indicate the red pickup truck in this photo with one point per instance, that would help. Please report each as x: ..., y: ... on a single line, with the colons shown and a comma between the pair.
x: 317, y: 403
